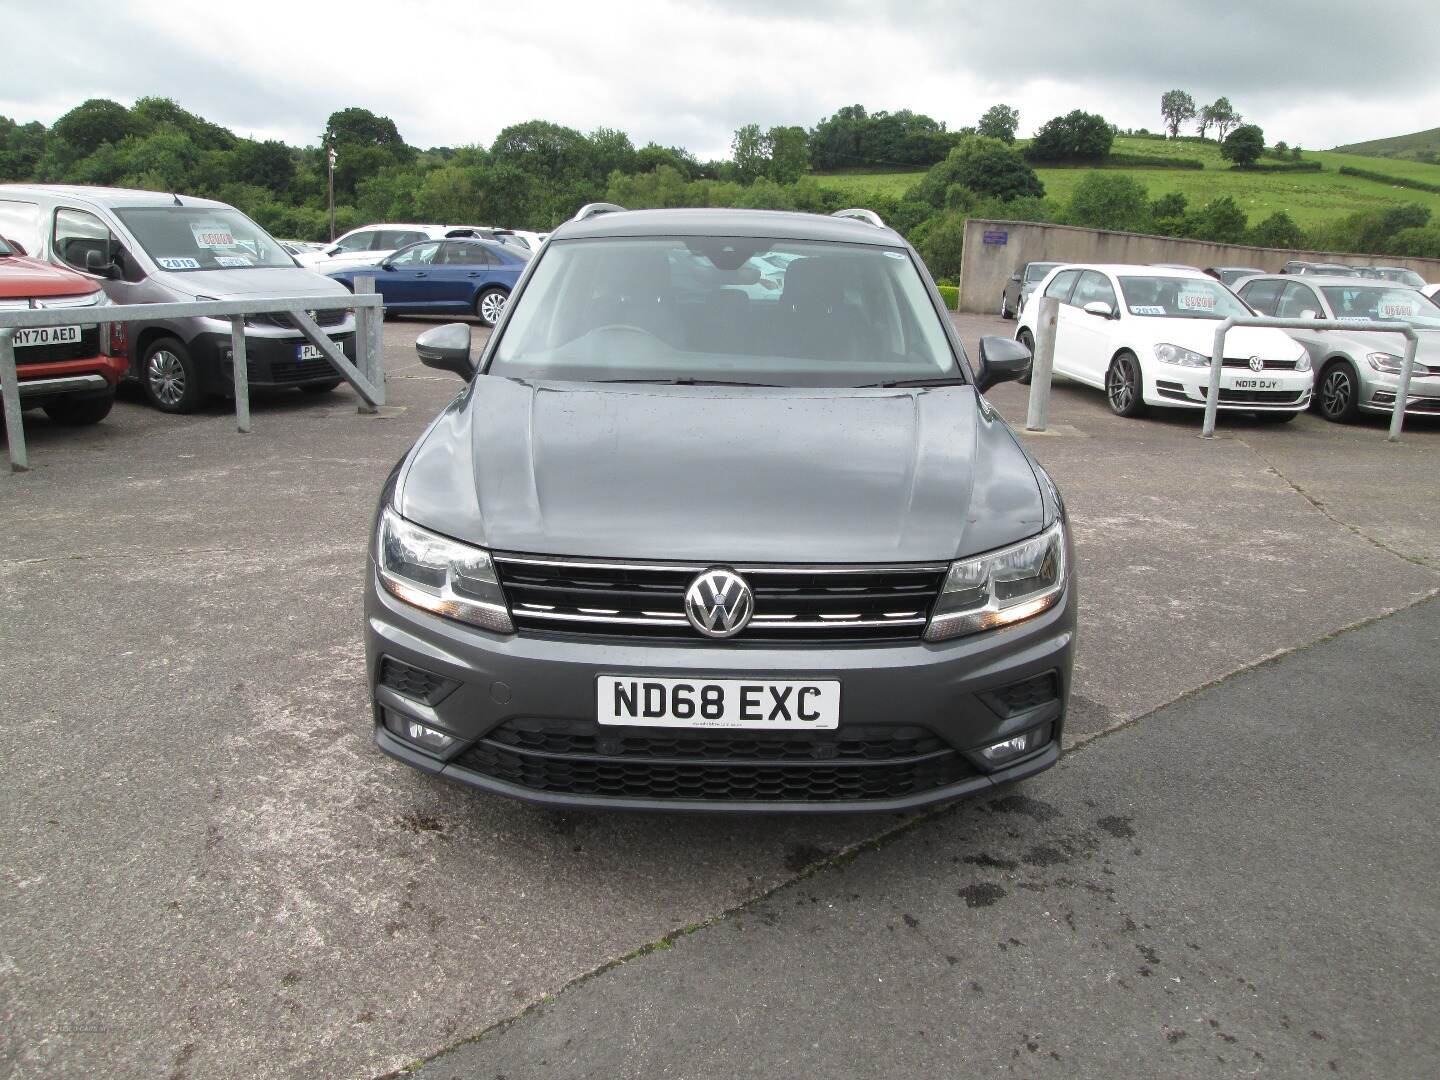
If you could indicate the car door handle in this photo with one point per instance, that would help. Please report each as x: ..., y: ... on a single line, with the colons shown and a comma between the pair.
x: 420, y: 273
x: 473, y: 273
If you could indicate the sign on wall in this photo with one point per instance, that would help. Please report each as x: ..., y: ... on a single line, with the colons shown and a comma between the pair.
x: 996, y: 237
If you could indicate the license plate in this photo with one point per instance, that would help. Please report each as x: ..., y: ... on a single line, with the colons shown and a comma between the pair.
x: 308, y: 352
x: 47, y: 335
x: 761, y: 704
x: 1256, y: 384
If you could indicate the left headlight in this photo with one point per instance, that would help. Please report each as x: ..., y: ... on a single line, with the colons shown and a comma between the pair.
x: 1001, y: 588
x: 440, y: 575
x: 1386, y: 362
x: 1176, y: 354
x: 1302, y: 362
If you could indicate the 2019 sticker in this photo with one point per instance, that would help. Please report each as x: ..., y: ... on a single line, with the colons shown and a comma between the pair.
x: 178, y: 264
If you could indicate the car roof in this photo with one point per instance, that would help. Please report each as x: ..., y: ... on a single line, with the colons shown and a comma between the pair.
x: 1346, y: 280
x: 782, y: 224
x: 110, y: 196
x: 1130, y: 269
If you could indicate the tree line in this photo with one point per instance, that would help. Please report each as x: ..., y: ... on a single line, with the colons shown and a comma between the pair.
x: 535, y: 174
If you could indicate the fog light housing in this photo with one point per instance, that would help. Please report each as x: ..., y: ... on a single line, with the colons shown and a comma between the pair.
x: 1017, y: 746
x: 419, y: 735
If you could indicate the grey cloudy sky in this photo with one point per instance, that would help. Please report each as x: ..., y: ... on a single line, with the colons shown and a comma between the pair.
x: 1313, y: 72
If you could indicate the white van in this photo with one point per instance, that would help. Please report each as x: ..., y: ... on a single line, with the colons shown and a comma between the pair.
x: 146, y: 247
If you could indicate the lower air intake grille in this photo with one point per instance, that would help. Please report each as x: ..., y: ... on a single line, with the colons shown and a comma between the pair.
x: 848, y: 765
x: 414, y: 682
x: 1021, y: 696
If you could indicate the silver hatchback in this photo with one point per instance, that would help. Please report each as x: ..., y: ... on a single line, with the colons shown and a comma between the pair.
x: 1357, y: 371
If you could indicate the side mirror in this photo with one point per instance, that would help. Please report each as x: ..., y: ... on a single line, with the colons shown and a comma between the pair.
x: 1014, y: 277
x: 97, y: 263
x: 1001, y: 360
x: 1100, y: 309
x: 447, y: 348
x: 1309, y: 313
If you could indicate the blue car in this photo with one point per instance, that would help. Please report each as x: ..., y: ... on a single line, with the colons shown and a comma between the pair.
x: 445, y: 276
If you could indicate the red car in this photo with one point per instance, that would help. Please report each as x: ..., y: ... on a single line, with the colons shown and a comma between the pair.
x: 66, y: 370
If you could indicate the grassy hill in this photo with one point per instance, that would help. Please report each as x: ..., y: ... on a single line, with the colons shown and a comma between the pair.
x: 1309, y: 198
x: 1410, y: 146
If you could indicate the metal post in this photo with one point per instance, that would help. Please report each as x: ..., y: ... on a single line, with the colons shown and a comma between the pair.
x: 10, y: 390
x: 1212, y: 394
x: 1402, y: 392
x: 1042, y: 364
x: 241, y: 364
x: 369, y: 343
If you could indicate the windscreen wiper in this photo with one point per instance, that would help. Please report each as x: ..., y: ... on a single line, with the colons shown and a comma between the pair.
x: 692, y: 382
x: 909, y: 382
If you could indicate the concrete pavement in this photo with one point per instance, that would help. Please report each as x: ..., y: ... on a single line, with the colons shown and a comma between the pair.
x: 208, y: 870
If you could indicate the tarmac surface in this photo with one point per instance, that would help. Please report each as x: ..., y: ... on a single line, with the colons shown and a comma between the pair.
x: 208, y: 871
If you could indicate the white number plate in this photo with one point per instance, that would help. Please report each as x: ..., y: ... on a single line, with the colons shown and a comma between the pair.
x: 308, y: 352
x: 47, y: 335
x: 761, y: 704
x: 1256, y: 384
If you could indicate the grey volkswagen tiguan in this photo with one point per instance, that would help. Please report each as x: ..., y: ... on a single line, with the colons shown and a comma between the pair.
x: 722, y: 521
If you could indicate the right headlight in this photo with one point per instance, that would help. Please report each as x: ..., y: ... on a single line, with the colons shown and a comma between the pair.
x: 1001, y: 587
x: 440, y: 575
x: 1180, y: 356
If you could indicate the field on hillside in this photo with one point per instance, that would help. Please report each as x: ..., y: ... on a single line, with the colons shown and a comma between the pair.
x: 1309, y: 198
x: 1398, y: 146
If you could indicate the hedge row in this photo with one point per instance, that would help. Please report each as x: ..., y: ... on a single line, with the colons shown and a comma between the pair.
x: 1294, y: 166
x: 951, y: 295
x: 1125, y: 161
x: 1397, y: 181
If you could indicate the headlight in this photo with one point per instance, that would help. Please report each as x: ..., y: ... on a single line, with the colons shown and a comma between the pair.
x: 1174, y: 354
x: 1001, y: 588
x: 1386, y: 362
x: 1302, y: 362
x: 440, y: 575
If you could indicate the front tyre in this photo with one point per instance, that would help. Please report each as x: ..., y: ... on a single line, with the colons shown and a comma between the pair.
x: 490, y: 305
x: 1005, y: 312
x: 1024, y: 337
x: 170, y: 377
x: 1123, y: 386
x: 1339, y: 393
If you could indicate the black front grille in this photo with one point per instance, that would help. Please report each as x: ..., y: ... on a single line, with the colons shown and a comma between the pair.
x: 297, y: 370
x: 415, y: 682
x: 1022, y: 696
x: 792, y: 604
x: 87, y: 347
x: 1260, y: 397
x: 1270, y: 365
x: 847, y: 765
x: 331, y: 317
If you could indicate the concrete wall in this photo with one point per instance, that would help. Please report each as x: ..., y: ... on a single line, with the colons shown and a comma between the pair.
x: 985, y: 268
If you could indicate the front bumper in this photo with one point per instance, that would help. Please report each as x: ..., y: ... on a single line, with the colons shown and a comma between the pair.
x: 947, y: 689
x: 94, y: 376
x: 272, y: 362
x: 1171, y: 385
x: 1379, y: 389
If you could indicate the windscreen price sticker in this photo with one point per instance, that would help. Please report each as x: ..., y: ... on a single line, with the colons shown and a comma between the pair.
x: 212, y: 236
x: 233, y: 260
x: 1190, y: 301
x: 1399, y: 310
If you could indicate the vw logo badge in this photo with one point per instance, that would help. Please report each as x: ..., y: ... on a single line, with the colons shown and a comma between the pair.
x: 719, y: 603
x: 1256, y: 364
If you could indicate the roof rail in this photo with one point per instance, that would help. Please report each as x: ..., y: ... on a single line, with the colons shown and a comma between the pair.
x: 590, y: 210
x: 861, y: 214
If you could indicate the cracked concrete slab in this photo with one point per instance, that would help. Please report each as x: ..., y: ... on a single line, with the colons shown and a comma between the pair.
x: 209, y: 870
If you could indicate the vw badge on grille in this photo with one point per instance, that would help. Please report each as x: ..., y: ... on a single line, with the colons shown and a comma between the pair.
x: 1256, y: 364
x: 719, y: 603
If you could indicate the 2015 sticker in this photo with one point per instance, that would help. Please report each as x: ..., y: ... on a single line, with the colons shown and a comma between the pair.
x: 1146, y: 309
x: 178, y: 264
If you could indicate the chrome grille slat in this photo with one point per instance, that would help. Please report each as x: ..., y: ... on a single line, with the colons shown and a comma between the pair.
x: 793, y: 604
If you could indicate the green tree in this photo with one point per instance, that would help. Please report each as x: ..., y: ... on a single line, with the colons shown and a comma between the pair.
x: 1223, y: 116
x: 748, y: 151
x: 21, y: 148
x: 983, y: 166
x: 610, y: 150
x: 1176, y: 108
x: 1279, y: 231
x: 999, y: 122
x: 941, y: 243
x: 1076, y: 136
x: 1244, y: 145
x: 1220, y: 220
x: 789, y: 153
x: 91, y: 124
x: 269, y: 164
x: 1110, y: 200
x: 364, y: 143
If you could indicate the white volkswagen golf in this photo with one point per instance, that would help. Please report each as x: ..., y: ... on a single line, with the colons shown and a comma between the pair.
x: 1144, y: 335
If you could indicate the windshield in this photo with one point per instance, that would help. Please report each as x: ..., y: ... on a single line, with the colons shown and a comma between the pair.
x: 744, y: 310
x: 5, y: 248
x: 1036, y: 271
x: 1379, y: 302
x: 191, y: 238
x: 1403, y: 276
x: 1180, y: 298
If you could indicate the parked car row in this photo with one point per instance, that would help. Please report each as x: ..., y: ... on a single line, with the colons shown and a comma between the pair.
x: 1145, y: 335
x: 83, y: 247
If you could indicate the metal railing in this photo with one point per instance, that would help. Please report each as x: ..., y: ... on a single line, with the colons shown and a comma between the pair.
x: 366, y: 376
x: 1042, y: 365
x: 1407, y: 363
